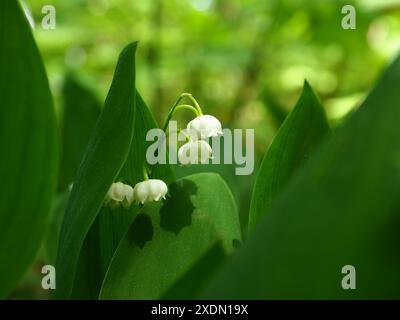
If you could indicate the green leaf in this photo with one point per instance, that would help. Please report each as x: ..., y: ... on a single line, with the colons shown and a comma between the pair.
x: 165, y: 240
x: 111, y: 225
x: 103, y: 159
x: 132, y: 171
x: 342, y: 209
x: 28, y: 140
x: 300, y: 133
x: 81, y: 110
x: 50, y: 241
x: 192, y: 284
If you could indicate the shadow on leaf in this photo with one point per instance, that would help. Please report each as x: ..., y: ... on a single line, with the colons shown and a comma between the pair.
x: 177, y: 210
x: 141, y: 230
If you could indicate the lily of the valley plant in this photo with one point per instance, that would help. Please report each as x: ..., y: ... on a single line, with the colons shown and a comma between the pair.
x: 195, y: 151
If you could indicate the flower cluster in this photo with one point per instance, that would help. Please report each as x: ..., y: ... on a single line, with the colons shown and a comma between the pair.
x: 145, y: 191
x: 195, y: 151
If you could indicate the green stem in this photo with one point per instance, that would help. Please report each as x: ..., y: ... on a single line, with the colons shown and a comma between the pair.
x: 196, y: 104
x: 178, y: 132
x: 188, y: 107
x: 145, y: 173
x: 196, y: 109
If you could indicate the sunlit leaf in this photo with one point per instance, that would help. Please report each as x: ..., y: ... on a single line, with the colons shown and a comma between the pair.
x: 192, y: 284
x: 166, y: 239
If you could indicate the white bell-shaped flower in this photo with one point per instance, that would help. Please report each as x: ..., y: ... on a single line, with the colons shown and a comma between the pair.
x: 119, y: 193
x: 150, y: 190
x: 126, y: 203
x: 194, y: 152
x: 205, y: 126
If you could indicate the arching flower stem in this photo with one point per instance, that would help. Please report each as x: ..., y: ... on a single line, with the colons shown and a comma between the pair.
x: 177, y: 106
x: 145, y: 173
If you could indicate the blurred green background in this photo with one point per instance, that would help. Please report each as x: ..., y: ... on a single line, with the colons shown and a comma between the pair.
x: 244, y: 61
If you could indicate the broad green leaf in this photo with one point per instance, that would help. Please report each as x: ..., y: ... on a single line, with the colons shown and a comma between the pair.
x: 81, y: 110
x: 28, y: 143
x: 240, y: 186
x: 166, y: 239
x: 192, y: 284
x: 300, y: 133
x: 111, y: 225
x: 342, y: 209
x: 226, y: 171
x: 103, y: 159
